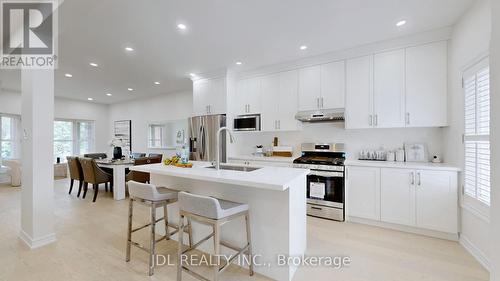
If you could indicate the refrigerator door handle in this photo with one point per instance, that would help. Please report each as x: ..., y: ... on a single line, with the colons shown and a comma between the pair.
x: 202, y: 142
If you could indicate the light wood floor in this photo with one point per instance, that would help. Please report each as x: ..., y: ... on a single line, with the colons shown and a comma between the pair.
x: 91, y: 246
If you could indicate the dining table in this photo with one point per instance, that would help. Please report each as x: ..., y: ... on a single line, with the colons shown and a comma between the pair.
x: 119, y: 167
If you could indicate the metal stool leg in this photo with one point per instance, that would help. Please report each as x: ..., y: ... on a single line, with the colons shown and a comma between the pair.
x: 217, y: 250
x: 129, y: 231
x: 179, y: 248
x: 249, y: 241
x: 153, y: 240
x: 190, y: 233
x: 165, y: 219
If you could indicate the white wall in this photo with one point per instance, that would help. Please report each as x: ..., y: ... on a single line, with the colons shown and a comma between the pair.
x: 495, y: 138
x: 10, y: 103
x: 470, y: 40
x: 166, y: 107
x: 355, y: 140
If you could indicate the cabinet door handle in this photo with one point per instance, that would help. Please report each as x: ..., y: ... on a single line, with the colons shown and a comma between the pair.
x: 276, y: 124
x: 376, y: 120
x: 317, y: 102
x: 322, y: 102
x: 412, y: 178
x: 279, y: 124
x: 407, y: 118
x: 419, y: 182
x: 371, y: 120
x: 248, y: 108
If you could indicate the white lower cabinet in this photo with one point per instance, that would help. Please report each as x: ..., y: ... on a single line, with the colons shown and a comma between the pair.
x: 363, y: 192
x: 424, y: 199
x: 397, y: 196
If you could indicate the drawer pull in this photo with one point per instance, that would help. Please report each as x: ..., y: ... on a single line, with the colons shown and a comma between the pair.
x: 316, y: 208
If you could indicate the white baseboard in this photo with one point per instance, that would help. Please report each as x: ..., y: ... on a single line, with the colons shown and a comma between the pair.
x: 474, y: 251
x: 38, y: 242
x: 403, y: 228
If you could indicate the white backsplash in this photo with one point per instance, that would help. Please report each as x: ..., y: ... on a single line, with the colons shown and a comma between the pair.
x: 355, y: 140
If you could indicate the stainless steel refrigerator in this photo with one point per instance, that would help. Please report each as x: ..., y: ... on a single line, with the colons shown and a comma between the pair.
x: 202, y: 137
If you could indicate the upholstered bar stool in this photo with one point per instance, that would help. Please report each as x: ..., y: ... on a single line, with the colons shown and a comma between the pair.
x: 213, y: 212
x: 153, y: 197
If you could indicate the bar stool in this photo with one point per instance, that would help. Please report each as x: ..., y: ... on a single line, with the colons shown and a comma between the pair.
x: 213, y: 212
x: 153, y: 197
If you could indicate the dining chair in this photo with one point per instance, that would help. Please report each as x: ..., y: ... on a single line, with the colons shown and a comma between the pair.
x: 75, y: 173
x: 94, y: 175
x: 96, y: 155
x: 142, y: 177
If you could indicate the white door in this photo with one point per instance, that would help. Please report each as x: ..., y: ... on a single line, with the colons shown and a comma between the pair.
x: 288, y: 101
x: 333, y: 85
x: 200, y: 100
x: 397, y: 196
x: 309, y: 87
x: 253, y: 95
x: 389, y: 89
x: 359, y: 93
x: 437, y: 200
x: 217, y: 96
x: 363, y: 192
x: 270, y: 85
x: 426, y: 85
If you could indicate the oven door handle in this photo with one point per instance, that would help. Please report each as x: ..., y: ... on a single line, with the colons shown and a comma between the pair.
x: 327, y: 174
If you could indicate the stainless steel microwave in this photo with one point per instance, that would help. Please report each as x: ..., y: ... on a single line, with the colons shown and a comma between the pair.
x: 247, y: 123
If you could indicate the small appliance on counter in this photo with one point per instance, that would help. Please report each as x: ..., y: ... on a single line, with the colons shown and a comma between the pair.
x: 259, y: 151
x: 325, y: 184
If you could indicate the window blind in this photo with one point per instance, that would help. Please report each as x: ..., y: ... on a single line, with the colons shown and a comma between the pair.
x: 476, y: 132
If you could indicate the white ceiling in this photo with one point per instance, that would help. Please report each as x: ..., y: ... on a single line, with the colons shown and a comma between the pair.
x: 219, y: 33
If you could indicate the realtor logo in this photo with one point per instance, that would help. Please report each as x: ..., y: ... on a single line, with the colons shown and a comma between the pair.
x: 28, y: 34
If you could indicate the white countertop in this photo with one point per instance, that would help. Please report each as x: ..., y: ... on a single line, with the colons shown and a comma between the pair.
x: 271, y: 178
x: 406, y: 165
x: 263, y: 158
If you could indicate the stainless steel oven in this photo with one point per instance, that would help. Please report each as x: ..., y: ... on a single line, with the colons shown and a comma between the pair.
x: 247, y: 123
x: 325, y: 194
x: 325, y: 189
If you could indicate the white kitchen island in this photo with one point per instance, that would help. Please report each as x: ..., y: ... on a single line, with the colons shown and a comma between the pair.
x: 277, y: 201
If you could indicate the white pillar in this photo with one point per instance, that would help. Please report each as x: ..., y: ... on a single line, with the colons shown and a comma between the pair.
x: 37, y: 198
x: 495, y: 141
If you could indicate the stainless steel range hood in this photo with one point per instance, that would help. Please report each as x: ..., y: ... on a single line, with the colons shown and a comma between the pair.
x: 321, y: 115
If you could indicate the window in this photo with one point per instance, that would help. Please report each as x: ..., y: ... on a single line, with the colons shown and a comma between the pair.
x: 72, y: 138
x: 476, y: 84
x: 10, y: 145
x: 156, y: 132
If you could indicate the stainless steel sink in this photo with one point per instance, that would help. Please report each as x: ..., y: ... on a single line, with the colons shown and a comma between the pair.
x: 235, y: 168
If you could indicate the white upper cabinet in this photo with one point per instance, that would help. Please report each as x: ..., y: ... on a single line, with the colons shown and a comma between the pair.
x: 322, y: 86
x: 389, y: 89
x: 248, y: 96
x: 359, y: 93
x: 426, y: 85
x: 309, y: 88
x: 333, y: 85
x: 287, y: 104
x: 209, y: 96
x: 279, y: 106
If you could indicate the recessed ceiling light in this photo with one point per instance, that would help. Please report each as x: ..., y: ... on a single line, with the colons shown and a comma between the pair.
x: 129, y: 49
x: 401, y: 23
x: 192, y: 74
x: 93, y: 64
x: 130, y: 89
x: 90, y: 99
x: 68, y: 75
x: 303, y: 47
x: 239, y: 63
x: 181, y: 26
x: 108, y: 94
x: 157, y: 83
